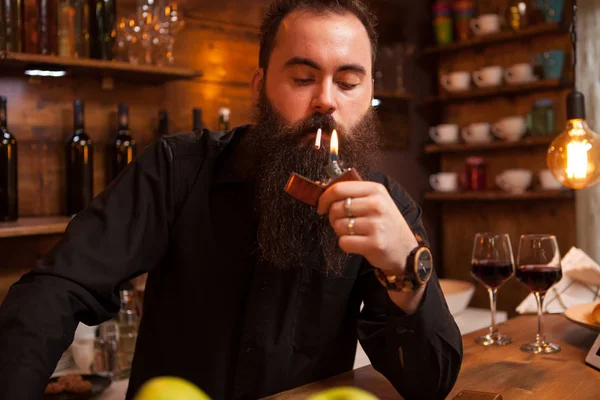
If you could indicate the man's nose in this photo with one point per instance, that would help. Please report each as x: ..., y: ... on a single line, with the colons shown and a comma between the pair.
x: 323, y: 101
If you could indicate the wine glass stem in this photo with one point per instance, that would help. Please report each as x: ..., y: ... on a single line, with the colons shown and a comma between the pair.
x: 539, y: 339
x: 493, y: 329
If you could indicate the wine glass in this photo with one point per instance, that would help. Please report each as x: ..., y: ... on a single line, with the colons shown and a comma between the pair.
x: 539, y: 269
x: 492, y: 265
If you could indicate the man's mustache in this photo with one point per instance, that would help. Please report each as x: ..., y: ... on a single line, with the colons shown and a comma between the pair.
x: 314, y: 122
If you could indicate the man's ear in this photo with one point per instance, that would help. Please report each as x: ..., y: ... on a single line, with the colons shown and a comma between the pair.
x: 256, y: 83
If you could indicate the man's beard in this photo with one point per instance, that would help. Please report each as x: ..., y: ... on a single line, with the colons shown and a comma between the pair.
x: 288, y: 229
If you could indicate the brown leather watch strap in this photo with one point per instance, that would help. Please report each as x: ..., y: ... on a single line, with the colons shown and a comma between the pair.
x: 395, y: 283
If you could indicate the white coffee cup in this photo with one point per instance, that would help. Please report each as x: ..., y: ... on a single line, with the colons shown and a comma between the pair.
x: 456, y: 81
x: 444, y: 133
x: 514, y: 180
x: 477, y: 133
x: 519, y: 73
x: 548, y: 181
x: 486, y: 24
x: 444, y: 182
x: 488, y: 76
x: 510, y: 129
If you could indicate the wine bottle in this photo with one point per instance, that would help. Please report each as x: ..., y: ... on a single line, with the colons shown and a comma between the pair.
x: 8, y: 169
x: 123, y: 148
x: 104, y: 28
x: 47, y: 26
x: 66, y: 28
x: 224, y: 114
x: 163, y: 123
x: 80, y: 165
x: 82, y: 34
x: 197, y: 119
x: 30, y: 34
x: 13, y: 25
x: 3, y: 38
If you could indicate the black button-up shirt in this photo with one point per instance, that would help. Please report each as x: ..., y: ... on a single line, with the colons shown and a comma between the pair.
x: 213, y: 315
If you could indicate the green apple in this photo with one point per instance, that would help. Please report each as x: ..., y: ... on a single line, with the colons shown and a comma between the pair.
x: 343, y: 393
x: 170, y: 388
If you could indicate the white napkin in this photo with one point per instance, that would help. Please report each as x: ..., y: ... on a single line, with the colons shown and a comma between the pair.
x: 580, y: 284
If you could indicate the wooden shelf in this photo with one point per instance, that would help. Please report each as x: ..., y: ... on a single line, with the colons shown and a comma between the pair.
x: 505, y: 90
x: 539, y: 141
x: 497, y: 38
x: 97, y: 68
x: 33, y: 226
x: 394, y: 95
x: 493, y: 195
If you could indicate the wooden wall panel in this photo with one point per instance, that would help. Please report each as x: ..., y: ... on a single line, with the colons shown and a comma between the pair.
x: 220, y: 39
x: 461, y: 220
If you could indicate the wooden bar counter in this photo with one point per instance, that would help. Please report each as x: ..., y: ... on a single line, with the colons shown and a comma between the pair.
x: 505, y: 370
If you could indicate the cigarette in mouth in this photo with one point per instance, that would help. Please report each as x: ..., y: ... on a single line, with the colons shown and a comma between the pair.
x: 318, y: 139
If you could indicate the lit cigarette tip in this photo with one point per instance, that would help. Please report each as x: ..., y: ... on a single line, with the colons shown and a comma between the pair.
x: 318, y: 139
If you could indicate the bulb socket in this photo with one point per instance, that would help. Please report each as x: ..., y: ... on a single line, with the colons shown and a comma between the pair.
x: 575, y: 106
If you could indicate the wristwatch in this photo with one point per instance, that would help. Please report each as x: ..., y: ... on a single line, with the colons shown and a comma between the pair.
x: 419, y: 266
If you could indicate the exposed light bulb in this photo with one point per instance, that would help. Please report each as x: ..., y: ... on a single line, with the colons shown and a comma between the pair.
x: 574, y: 156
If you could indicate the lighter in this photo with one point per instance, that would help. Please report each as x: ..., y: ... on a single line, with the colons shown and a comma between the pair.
x: 308, y: 191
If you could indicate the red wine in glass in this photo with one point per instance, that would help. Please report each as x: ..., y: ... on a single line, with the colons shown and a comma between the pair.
x: 539, y: 278
x: 539, y: 268
x: 492, y: 273
x: 492, y: 264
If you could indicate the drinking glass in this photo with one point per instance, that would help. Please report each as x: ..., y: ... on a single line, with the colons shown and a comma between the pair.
x: 539, y: 268
x: 492, y: 264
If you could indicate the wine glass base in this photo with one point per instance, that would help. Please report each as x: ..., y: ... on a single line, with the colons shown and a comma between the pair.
x: 493, y: 340
x: 540, y: 348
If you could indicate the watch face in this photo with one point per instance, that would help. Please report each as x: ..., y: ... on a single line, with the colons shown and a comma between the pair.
x: 423, y: 264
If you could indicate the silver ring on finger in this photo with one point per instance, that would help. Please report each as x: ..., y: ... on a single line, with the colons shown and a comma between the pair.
x: 351, y: 223
x: 348, y: 207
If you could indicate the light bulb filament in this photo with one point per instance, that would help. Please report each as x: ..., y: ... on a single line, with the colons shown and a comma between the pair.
x: 577, y: 159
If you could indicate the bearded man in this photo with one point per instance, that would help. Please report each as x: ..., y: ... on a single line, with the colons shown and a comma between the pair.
x: 251, y: 292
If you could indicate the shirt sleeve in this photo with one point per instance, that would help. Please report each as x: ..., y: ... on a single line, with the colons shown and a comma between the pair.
x: 121, y: 234
x: 421, y: 353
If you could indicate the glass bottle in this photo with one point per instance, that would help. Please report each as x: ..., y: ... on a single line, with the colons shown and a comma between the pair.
x: 163, y: 123
x: 104, y: 20
x: 106, y: 357
x: 8, y: 169
x: 30, y: 33
x: 224, y: 115
x: 82, y: 32
x: 541, y: 118
x: 80, y: 165
x: 12, y: 11
x: 47, y: 26
x: 128, y: 321
x: 66, y: 28
x: 123, y: 148
x: 197, y: 119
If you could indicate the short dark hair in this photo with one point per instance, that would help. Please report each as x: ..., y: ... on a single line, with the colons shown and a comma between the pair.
x: 279, y: 9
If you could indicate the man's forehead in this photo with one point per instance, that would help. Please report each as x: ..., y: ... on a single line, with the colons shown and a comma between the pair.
x: 330, y: 36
